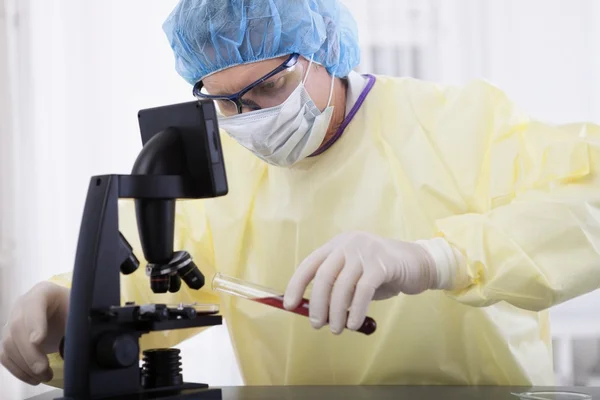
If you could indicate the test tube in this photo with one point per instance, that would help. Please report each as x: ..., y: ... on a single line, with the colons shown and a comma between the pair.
x: 270, y: 297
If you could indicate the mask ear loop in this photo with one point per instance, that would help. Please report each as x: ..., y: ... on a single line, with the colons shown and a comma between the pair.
x: 308, y: 72
x: 331, y: 90
x: 332, y: 81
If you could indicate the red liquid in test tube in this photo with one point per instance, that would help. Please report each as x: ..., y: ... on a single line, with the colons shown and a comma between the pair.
x: 268, y: 297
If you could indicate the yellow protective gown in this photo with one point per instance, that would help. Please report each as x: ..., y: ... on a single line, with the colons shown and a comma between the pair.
x: 519, y: 198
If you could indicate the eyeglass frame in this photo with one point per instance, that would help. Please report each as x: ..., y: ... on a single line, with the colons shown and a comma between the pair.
x: 237, y: 97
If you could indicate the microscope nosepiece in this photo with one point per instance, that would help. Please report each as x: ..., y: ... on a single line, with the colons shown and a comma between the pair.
x: 167, y: 277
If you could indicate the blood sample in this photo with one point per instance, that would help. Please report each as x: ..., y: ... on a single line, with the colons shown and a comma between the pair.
x: 271, y: 298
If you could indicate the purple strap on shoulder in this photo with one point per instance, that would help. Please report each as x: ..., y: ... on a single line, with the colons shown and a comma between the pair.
x: 349, y: 117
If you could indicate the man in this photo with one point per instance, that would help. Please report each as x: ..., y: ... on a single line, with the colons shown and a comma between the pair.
x: 442, y: 212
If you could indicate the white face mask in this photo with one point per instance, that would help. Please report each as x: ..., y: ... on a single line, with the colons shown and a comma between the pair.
x: 285, y: 134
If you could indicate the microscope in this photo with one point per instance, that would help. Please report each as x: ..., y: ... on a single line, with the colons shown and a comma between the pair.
x: 182, y: 159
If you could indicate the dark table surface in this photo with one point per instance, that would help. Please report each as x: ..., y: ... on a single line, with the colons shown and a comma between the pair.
x: 374, y: 392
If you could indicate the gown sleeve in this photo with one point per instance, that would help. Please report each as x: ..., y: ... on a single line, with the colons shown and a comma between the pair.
x: 530, y: 235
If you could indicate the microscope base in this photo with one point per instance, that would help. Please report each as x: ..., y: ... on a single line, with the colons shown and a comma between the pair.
x: 187, y: 391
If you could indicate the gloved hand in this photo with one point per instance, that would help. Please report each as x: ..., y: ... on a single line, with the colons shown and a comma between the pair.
x: 35, y: 328
x: 355, y: 268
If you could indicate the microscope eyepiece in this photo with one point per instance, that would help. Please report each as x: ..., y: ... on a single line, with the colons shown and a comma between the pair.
x: 131, y: 263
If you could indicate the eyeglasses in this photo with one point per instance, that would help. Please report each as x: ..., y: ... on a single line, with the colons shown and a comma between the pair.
x: 269, y: 91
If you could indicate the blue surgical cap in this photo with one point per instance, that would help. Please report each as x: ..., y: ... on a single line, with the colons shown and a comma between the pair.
x: 210, y: 35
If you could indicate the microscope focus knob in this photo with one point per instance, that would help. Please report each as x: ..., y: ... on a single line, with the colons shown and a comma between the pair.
x: 117, y: 350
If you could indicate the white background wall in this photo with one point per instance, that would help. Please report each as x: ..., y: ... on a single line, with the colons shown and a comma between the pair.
x: 86, y: 67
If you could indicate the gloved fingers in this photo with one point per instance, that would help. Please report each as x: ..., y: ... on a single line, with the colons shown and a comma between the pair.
x: 16, y: 371
x: 32, y: 356
x: 35, y: 320
x: 321, y: 292
x: 365, y: 290
x: 343, y: 292
x: 23, y: 347
x: 13, y: 356
x: 303, y: 276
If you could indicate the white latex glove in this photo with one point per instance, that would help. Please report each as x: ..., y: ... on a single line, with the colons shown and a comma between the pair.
x: 355, y: 268
x: 35, y: 328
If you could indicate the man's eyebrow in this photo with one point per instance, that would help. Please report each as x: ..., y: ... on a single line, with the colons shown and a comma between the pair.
x: 229, y: 93
x: 226, y: 93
